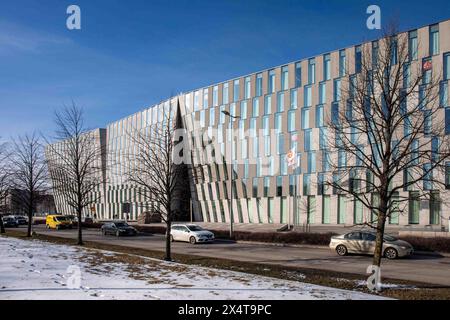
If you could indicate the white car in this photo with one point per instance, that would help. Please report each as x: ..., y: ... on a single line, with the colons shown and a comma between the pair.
x: 190, y: 233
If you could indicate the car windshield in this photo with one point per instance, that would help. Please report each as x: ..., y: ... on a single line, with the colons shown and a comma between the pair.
x: 61, y: 219
x: 194, y: 228
x: 389, y: 238
x: 121, y: 224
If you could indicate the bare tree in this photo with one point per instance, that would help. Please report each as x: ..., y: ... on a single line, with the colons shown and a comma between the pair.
x: 75, y: 163
x: 151, y: 169
x: 5, y: 182
x: 28, y: 173
x: 387, y: 132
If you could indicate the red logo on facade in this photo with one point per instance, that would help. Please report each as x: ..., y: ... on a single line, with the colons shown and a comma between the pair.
x: 427, y: 65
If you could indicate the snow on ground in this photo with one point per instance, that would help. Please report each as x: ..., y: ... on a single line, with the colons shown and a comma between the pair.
x: 42, y: 270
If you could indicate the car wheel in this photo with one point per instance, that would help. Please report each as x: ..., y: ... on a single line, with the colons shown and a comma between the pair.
x: 341, y: 250
x: 171, y: 238
x: 391, y: 253
x: 192, y: 240
x: 117, y: 234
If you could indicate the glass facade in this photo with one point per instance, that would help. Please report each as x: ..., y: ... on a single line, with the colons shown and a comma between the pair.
x: 291, y: 105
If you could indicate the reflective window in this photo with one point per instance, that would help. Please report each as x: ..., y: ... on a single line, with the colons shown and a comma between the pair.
x: 358, y: 59
x: 412, y: 45
x: 319, y: 116
x: 298, y: 75
x: 322, y: 93
x: 337, y: 90
x: 255, y: 187
x: 278, y: 121
x: 307, y: 140
x: 267, y: 104
x: 280, y: 102
x: 375, y: 52
x: 243, y: 109
x: 311, y: 158
x: 205, y: 98
x: 447, y: 66
x: 215, y: 95
x: 225, y: 93
x: 434, y: 39
x: 326, y: 67
x: 255, y: 110
x: 305, y: 118
x: 342, y: 63
x: 443, y: 94
x: 266, y: 186
x: 279, y: 186
x: 308, y: 96
x: 271, y: 81
x: 291, y: 120
x: 247, y: 88
x: 236, y: 90
x: 212, y: 116
x: 294, y: 102
x: 284, y: 78
x: 259, y: 78
x: 311, y: 71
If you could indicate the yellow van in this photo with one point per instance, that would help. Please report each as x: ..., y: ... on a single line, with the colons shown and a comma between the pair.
x: 55, y: 221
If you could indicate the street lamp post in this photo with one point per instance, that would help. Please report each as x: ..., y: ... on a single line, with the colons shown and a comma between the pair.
x: 231, y: 172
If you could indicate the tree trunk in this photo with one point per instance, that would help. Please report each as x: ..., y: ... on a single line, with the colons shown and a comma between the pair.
x: 2, y: 227
x: 378, y: 254
x: 168, y: 242
x: 80, y: 234
x: 30, y: 220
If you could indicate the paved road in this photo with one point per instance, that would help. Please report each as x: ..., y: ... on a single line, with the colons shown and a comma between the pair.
x: 422, y: 268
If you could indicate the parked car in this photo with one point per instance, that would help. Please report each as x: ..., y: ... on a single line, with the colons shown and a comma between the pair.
x: 58, y: 222
x: 21, y: 220
x: 73, y: 218
x: 190, y: 233
x: 118, y: 228
x: 88, y: 220
x: 10, y: 222
x: 363, y: 242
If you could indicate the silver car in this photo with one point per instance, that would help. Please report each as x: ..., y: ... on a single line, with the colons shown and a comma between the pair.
x: 364, y: 242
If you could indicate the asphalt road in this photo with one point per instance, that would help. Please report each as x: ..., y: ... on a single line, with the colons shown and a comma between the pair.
x: 422, y: 268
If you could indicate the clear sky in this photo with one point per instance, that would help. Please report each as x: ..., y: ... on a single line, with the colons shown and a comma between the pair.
x: 132, y: 54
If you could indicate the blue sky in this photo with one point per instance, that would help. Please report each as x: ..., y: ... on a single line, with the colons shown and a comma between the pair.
x: 132, y: 54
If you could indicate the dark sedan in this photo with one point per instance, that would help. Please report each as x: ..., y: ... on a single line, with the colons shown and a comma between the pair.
x: 118, y: 229
x: 21, y: 220
x: 10, y: 222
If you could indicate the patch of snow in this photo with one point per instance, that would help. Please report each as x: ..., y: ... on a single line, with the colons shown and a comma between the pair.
x: 363, y: 283
x: 32, y: 269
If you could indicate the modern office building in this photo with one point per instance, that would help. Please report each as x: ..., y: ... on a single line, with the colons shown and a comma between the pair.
x: 293, y: 100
